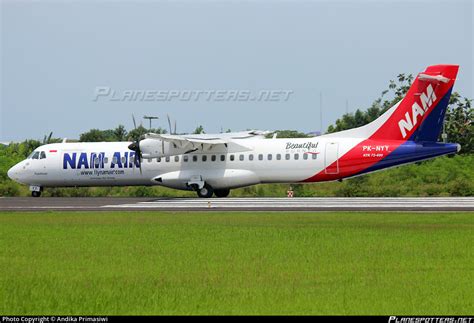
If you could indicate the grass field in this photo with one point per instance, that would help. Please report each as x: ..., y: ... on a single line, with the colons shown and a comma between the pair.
x: 236, y: 263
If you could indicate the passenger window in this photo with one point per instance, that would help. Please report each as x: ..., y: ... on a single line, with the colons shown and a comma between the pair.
x: 195, y: 158
x: 305, y: 156
x: 278, y: 156
x: 260, y: 156
x: 315, y: 156
x: 176, y: 158
x: 204, y: 158
x: 297, y: 156
x: 213, y: 157
x: 115, y: 160
x: 269, y: 157
x: 106, y: 160
x: 167, y: 159
x: 287, y: 156
x: 123, y: 160
x: 241, y: 157
x: 250, y: 157
x: 97, y: 162
x: 185, y: 158
x: 231, y: 157
x: 222, y: 157
x: 43, y: 155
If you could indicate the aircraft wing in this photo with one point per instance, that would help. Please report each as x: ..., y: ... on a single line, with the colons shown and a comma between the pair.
x: 197, y: 142
x: 243, y: 134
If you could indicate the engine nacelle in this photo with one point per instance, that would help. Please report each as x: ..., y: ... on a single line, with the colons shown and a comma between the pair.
x: 217, y: 178
x: 153, y: 148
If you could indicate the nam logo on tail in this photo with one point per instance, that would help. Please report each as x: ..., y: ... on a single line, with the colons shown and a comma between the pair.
x: 427, y: 100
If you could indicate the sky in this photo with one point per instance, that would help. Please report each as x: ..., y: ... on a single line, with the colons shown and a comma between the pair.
x: 70, y: 66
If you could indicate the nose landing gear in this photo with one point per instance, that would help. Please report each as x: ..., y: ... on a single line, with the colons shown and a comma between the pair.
x: 36, y: 193
x: 35, y: 190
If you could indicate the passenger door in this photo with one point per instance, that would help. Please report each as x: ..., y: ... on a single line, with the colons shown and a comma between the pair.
x: 331, y: 158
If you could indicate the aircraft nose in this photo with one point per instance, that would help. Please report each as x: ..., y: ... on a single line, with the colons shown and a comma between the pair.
x: 13, y: 173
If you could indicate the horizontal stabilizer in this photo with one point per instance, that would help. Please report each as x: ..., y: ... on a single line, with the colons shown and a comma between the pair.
x: 435, y: 78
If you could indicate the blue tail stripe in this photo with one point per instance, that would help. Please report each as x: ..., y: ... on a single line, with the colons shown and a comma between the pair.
x: 430, y: 128
x: 411, y: 151
x: 422, y: 143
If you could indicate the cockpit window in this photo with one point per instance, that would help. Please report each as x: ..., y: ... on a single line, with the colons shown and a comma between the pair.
x: 34, y: 155
x: 42, y: 155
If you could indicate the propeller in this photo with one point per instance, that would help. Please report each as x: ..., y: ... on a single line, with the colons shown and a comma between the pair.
x: 47, y: 139
x: 135, y: 146
x: 137, y: 158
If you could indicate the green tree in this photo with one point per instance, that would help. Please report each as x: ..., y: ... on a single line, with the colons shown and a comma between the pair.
x: 137, y: 133
x: 199, y: 130
x: 140, y: 131
x: 396, y: 89
x: 120, y: 133
x: 288, y: 134
x: 458, y: 125
x: 93, y: 135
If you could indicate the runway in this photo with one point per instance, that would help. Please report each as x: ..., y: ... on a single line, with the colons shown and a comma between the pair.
x: 239, y: 204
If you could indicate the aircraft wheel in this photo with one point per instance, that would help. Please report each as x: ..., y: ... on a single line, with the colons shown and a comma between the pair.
x: 222, y: 192
x: 206, y: 191
x: 35, y: 194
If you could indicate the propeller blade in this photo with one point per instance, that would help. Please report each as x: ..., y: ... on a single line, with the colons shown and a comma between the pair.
x: 137, y: 158
x: 133, y: 146
x: 169, y: 123
x: 190, y: 151
x: 134, y: 122
x: 174, y: 131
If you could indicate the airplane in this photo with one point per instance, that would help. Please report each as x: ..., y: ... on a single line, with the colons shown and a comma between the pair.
x: 213, y: 164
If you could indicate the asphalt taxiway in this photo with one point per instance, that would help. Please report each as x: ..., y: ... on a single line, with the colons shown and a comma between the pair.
x: 239, y: 204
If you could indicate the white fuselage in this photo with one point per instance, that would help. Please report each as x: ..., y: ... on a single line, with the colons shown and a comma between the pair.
x: 112, y: 163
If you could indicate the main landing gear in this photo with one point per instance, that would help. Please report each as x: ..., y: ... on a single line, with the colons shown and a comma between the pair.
x: 207, y: 191
x: 222, y: 192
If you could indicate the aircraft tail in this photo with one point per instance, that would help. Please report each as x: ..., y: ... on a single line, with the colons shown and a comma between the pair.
x: 420, y: 114
x: 409, y: 130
